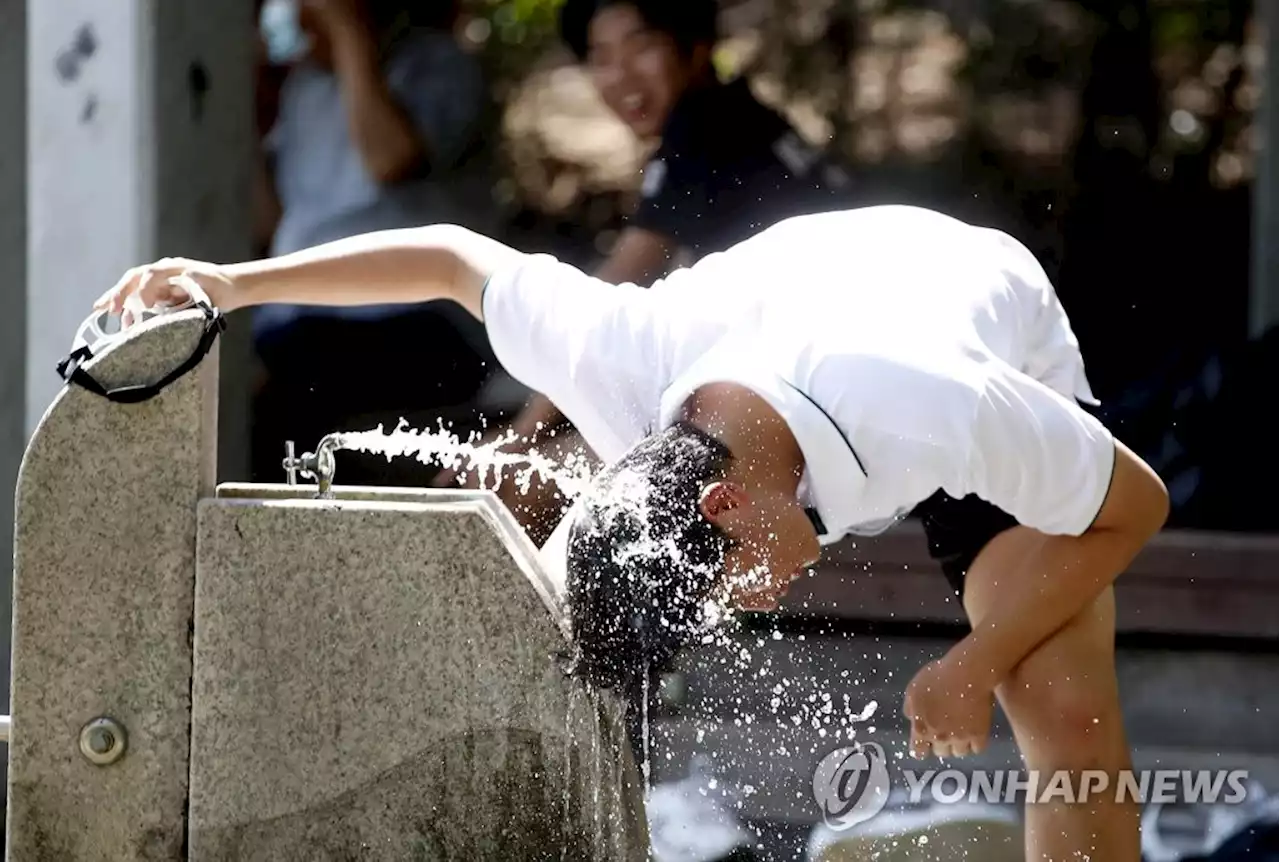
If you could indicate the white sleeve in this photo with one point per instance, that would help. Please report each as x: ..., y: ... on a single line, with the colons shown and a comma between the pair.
x: 589, y: 346
x: 1039, y: 457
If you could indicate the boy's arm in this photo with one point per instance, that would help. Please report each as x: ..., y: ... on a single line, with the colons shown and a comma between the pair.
x: 556, y: 329
x: 1056, y: 469
x: 388, y: 267
x: 1074, y: 571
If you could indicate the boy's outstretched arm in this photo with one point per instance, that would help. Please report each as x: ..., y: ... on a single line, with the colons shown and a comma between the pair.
x: 387, y: 267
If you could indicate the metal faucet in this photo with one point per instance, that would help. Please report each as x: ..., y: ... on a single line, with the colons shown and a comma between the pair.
x: 319, y: 465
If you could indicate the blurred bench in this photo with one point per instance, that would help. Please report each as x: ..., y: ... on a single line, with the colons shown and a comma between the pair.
x: 1184, y: 583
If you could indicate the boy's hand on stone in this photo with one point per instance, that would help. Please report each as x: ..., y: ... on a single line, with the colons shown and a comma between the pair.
x: 169, y: 282
x: 949, y: 706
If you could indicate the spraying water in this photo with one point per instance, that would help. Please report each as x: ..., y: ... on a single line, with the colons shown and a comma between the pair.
x: 443, y: 448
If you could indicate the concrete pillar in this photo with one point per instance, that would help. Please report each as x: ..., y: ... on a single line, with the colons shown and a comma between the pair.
x: 141, y: 130
x: 1265, y: 295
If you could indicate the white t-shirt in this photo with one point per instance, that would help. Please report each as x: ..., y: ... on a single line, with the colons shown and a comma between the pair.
x: 908, y: 352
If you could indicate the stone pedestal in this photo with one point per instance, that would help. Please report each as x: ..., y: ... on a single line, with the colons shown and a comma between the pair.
x: 104, y: 577
x: 372, y: 676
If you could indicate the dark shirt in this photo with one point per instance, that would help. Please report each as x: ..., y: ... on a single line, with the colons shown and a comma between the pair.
x: 729, y: 167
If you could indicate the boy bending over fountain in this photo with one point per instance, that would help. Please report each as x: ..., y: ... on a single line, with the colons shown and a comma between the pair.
x: 824, y: 378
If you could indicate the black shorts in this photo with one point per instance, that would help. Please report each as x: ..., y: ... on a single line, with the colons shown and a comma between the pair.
x: 957, y: 530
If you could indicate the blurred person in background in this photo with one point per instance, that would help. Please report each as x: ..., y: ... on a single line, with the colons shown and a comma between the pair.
x: 372, y: 117
x: 725, y: 167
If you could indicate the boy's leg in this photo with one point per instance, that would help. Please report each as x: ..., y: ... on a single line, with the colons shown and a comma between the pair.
x: 1064, y: 706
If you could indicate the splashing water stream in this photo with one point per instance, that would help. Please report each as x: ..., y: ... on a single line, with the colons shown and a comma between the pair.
x: 446, y: 449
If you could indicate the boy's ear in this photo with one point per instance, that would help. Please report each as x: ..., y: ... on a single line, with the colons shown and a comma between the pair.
x: 720, y: 498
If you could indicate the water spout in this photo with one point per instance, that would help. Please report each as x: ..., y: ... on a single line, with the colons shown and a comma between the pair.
x: 319, y: 465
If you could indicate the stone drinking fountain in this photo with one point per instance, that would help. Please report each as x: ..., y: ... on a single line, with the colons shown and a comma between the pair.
x: 283, y: 672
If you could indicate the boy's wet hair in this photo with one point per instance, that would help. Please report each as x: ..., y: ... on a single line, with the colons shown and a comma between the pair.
x: 642, y: 560
x: 689, y: 23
